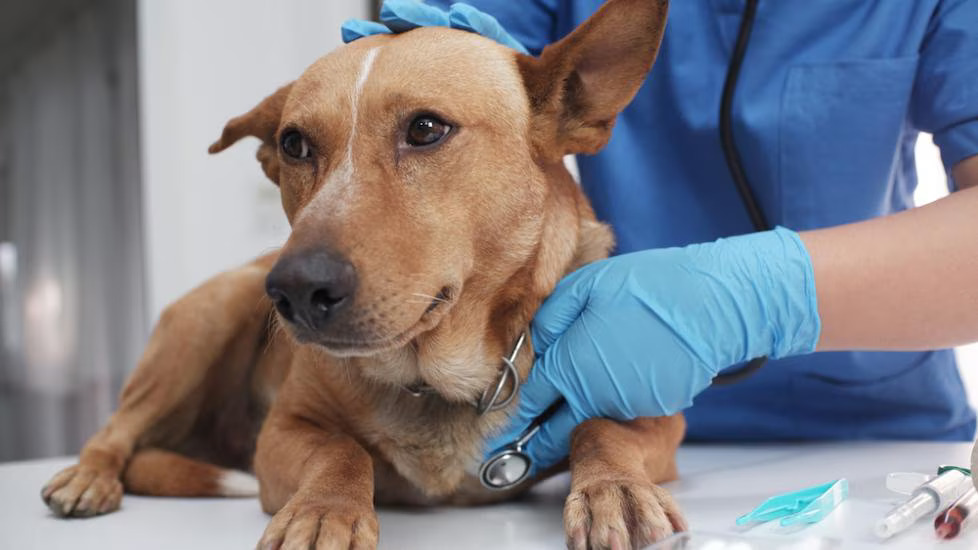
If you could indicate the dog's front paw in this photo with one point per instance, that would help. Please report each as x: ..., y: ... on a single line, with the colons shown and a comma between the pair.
x: 321, y: 525
x: 82, y: 491
x: 620, y: 514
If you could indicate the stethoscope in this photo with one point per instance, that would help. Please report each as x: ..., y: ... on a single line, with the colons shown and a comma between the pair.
x: 510, y: 465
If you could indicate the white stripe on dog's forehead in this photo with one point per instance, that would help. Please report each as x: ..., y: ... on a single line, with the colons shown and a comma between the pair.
x: 337, y: 191
x: 368, y: 62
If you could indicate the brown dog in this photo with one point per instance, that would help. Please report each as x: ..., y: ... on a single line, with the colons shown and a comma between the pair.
x: 431, y: 214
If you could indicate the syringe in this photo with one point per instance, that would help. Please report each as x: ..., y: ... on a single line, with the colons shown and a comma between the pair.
x: 960, y: 515
x: 930, y: 497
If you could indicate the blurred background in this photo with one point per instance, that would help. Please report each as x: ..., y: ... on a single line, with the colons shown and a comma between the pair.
x: 110, y: 207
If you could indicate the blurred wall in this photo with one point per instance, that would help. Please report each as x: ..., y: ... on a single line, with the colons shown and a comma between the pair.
x: 72, y: 322
x: 201, y: 63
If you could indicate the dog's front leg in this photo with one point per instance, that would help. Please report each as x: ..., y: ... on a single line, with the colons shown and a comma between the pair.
x: 319, y: 484
x: 191, y: 336
x: 614, y: 500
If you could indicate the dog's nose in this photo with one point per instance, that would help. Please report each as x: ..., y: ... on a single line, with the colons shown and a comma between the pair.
x: 311, y: 287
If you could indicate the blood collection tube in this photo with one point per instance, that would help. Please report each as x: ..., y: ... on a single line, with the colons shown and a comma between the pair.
x: 927, y: 499
x: 958, y: 516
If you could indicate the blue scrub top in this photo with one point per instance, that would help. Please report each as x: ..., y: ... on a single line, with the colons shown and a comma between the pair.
x: 831, y: 97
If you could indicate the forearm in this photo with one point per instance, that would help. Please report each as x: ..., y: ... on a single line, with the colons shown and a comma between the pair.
x: 901, y: 282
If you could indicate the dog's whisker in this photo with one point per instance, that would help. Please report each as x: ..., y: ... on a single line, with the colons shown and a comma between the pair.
x: 272, y: 329
x: 425, y: 300
x: 431, y: 298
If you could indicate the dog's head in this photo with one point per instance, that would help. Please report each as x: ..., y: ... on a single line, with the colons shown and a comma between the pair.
x: 415, y: 166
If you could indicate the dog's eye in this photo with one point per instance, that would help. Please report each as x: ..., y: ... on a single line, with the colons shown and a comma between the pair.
x: 294, y: 145
x: 426, y: 130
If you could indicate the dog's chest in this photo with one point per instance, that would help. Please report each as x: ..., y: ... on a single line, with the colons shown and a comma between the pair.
x: 428, y: 447
x: 428, y: 450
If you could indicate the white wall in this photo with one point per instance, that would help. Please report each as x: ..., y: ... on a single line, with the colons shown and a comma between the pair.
x: 201, y: 63
x: 933, y: 185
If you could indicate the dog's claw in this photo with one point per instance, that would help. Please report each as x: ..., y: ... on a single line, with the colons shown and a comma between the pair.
x: 304, y: 524
x: 79, y: 491
x: 577, y: 539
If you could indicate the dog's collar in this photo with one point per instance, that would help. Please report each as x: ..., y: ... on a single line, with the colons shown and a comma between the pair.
x: 490, y: 399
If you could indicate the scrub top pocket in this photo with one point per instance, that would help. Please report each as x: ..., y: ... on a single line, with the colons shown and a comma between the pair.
x: 842, y: 128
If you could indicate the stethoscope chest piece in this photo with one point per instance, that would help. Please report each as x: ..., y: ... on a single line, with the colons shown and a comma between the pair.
x: 507, y: 468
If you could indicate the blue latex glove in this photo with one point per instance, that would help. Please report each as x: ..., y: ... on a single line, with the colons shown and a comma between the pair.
x: 641, y: 334
x: 398, y: 16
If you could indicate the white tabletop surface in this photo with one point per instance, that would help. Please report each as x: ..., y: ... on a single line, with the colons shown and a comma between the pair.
x: 718, y: 484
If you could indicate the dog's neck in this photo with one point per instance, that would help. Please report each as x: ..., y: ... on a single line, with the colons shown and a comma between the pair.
x: 462, y: 357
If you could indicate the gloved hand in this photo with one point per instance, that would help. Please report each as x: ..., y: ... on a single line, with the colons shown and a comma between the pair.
x: 641, y: 334
x: 398, y: 16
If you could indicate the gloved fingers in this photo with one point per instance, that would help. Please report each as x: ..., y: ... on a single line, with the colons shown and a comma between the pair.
x: 404, y: 15
x: 559, y: 311
x: 536, y: 394
x: 468, y: 18
x: 399, y: 16
x: 509, y: 434
x: 552, y: 442
x: 359, y: 28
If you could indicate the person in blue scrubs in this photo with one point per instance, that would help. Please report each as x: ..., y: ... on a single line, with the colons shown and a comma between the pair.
x: 831, y: 98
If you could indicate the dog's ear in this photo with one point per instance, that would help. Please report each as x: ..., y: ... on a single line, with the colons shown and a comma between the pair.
x: 579, y: 85
x: 262, y: 123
